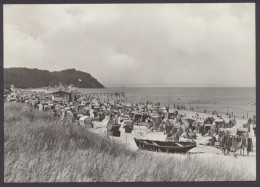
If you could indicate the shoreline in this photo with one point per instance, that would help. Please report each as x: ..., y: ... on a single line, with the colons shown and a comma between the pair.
x: 144, y: 133
x: 221, y: 107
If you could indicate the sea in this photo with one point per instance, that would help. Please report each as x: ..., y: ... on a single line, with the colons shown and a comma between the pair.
x: 241, y: 101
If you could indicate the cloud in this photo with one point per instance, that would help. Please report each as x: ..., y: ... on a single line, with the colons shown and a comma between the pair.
x: 75, y: 11
x: 171, y: 44
x: 22, y: 50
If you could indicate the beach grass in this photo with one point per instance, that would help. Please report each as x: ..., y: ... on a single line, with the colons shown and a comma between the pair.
x: 39, y: 148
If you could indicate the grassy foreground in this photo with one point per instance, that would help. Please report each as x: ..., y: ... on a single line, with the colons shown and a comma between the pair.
x: 38, y: 148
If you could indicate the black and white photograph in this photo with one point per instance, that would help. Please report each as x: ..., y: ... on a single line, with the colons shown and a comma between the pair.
x: 162, y: 92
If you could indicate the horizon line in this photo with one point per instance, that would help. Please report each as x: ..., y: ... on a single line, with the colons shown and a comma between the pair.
x: 162, y: 85
x: 115, y: 86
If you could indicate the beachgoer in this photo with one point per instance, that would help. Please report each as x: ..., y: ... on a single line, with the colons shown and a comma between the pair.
x: 178, y: 120
x: 213, y: 139
x: 189, y: 134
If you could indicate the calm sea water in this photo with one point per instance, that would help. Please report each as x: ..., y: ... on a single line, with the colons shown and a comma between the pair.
x: 236, y: 100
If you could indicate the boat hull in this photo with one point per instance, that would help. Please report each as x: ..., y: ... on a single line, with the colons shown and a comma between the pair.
x: 162, y: 146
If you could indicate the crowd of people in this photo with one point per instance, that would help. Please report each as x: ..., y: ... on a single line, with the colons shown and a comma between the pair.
x: 152, y: 115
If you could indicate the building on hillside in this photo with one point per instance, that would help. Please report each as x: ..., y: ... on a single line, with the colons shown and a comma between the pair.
x: 64, y: 96
x: 60, y: 96
x: 74, y: 95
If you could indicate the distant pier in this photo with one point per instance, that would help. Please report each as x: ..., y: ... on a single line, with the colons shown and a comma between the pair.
x: 116, y: 94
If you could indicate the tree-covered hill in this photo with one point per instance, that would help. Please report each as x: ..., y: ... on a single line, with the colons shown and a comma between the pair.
x: 35, y: 78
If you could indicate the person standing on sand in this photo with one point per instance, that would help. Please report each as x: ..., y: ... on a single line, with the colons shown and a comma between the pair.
x: 178, y: 120
x: 167, y: 108
x: 172, y: 133
x: 249, y: 122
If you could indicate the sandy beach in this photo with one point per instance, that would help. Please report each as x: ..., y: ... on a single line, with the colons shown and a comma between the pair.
x: 142, y: 132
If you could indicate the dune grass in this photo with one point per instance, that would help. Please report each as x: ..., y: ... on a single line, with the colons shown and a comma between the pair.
x: 39, y: 148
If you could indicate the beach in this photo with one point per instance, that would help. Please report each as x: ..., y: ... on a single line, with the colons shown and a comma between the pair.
x: 239, y: 100
x: 113, y: 106
x: 143, y: 132
x: 201, y: 151
x: 236, y: 101
x: 209, y: 99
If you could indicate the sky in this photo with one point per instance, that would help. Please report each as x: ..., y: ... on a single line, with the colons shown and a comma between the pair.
x: 136, y: 44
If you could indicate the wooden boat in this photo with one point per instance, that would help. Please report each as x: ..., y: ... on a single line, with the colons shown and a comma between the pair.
x: 163, y: 146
